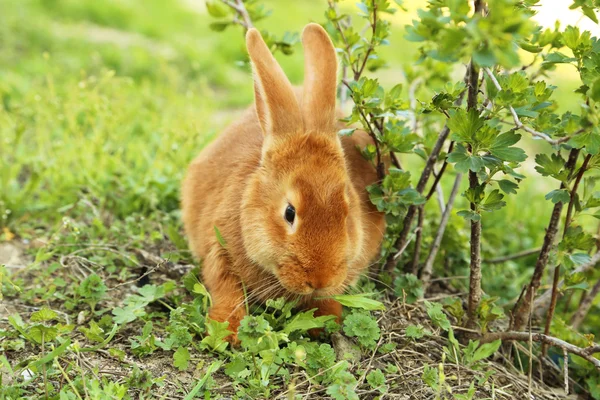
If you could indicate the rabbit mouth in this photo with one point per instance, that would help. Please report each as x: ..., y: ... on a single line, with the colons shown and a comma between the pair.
x: 309, y: 290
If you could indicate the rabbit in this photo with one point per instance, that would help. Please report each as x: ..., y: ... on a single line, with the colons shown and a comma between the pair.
x: 286, y: 194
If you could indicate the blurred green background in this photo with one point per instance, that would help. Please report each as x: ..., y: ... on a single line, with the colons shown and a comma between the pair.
x: 108, y: 101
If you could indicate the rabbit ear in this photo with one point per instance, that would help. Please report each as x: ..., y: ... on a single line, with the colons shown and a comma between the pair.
x: 276, y: 105
x: 320, y: 80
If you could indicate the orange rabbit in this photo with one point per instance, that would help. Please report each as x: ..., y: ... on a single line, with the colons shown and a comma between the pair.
x: 287, y: 195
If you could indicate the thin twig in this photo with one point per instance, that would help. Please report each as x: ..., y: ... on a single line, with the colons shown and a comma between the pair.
x: 428, y: 267
x: 573, y: 193
x: 395, y: 160
x: 401, y: 241
x: 521, y: 254
x: 566, y: 370
x: 512, y: 312
x: 550, y: 315
x: 239, y: 7
x: 358, y: 73
x: 585, y: 306
x: 417, y: 253
x: 379, y: 167
x: 439, y: 175
x: 586, y: 353
x: 530, y: 341
x: 440, y: 198
x: 405, y: 245
x: 412, y: 90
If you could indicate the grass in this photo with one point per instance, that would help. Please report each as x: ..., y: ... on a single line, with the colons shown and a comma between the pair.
x: 104, y: 104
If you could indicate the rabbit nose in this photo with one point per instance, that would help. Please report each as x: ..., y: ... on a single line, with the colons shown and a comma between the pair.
x: 316, y: 284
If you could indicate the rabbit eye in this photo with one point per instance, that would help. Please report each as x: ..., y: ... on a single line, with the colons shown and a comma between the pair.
x: 290, y: 214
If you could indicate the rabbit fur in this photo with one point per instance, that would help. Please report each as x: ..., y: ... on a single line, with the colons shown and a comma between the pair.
x: 283, y: 152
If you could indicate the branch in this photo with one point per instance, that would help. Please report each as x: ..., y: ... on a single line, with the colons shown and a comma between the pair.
x: 475, y: 264
x: 379, y: 167
x: 542, y: 302
x: 554, y: 297
x: 240, y: 8
x: 419, y: 230
x: 395, y: 160
x: 440, y: 198
x: 358, y: 73
x: 439, y: 175
x: 428, y: 267
x: 519, y: 124
x: 412, y: 90
x: 586, y: 353
x: 522, y: 311
x: 510, y: 257
x: 585, y: 306
x: 401, y: 242
x: 580, y: 173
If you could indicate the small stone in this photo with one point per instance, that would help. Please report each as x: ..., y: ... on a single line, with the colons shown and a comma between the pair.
x: 344, y: 348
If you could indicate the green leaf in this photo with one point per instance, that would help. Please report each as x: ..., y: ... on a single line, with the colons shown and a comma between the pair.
x: 559, y: 195
x: 591, y: 140
x: 464, y: 161
x: 558, y: 58
x: 363, y: 327
x: 549, y: 166
x: 216, y: 334
x: 530, y: 47
x: 94, y: 332
x: 507, y: 186
x: 509, y: 154
x: 181, y: 358
x: 220, y: 238
x: 212, y: 368
x: 217, y: 9
x: 500, y: 148
x: 376, y: 380
x: 346, y: 132
x: 57, y: 352
x: 590, y: 13
x: 218, y: 26
x: 108, y: 338
x: 431, y: 378
x: 579, y: 259
x: 486, y: 350
x: 506, y: 139
x: 129, y: 313
x: 44, y: 314
x: 484, y: 57
x: 361, y: 300
x: 469, y: 215
x: 92, y: 289
x: 571, y: 37
x: 464, y: 124
x: 42, y: 333
x: 416, y: 331
x: 16, y: 322
x: 305, y: 321
x: 436, y: 313
x: 408, y: 287
x: 493, y: 201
